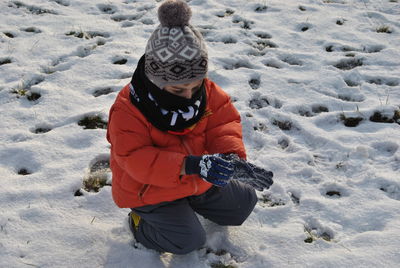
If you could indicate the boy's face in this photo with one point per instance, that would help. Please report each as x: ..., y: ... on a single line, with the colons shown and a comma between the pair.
x: 185, y: 90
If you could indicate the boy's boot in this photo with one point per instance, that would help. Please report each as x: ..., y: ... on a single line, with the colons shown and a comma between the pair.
x: 133, y: 221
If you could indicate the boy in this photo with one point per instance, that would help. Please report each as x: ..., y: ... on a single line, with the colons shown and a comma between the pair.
x: 170, y: 130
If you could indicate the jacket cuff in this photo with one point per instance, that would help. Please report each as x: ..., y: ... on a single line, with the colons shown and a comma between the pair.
x: 192, y: 165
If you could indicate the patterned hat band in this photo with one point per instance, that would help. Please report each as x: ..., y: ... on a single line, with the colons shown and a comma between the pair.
x: 175, y: 72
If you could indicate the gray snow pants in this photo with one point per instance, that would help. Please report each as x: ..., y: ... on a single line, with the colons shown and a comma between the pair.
x: 174, y: 227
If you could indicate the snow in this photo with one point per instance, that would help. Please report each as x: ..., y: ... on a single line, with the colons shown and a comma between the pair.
x: 310, y: 79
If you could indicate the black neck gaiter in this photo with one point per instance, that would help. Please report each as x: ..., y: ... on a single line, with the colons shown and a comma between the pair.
x: 166, y: 111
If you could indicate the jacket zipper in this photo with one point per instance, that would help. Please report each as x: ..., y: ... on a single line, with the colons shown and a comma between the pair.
x: 143, y: 190
x: 189, y: 151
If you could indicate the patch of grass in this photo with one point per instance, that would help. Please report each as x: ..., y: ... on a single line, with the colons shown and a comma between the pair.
x: 42, y: 130
x: 97, y: 177
x: 351, y: 98
x: 291, y: 60
x: 396, y: 116
x: 304, y: 29
x: 246, y: 24
x: 262, y: 44
x: 256, y: 53
x: 313, y: 236
x: 261, y: 8
x: 319, y: 109
x: 107, y: 9
x: 102, y: 91
x: 378, y: 117
x: 258, y: 103
x: 20, y: 92
x: 229, y: 40
x: 305, y: 113
x: 32, y: 9
x: 295, y: 199
x: 32, y: 30
x: 254, y: 83
x: 269, y: 202
x: 100, y: 42
x: 219, y: 252
x: 283, y: 143
x: 333, y: 193
x: 348, y: 64
x: 334, y: 2
x: 309, y: 240
x: 260, y: 127
x: 78, y: 193
x: 24, y: 172
x: 263, y: 35
x: 340, y: 165
x: 350, y: 121
x: 329, y: 48
x: 8, y: 34
x: 5, y: 61
x: 228, y: 12
x: 325, y: 236
x: 95, y: 181
x: 340, y: 21
x: 120, y: 61
x: 238, y: 64
x: 384, y: 29
x: 221, y: 265
x: 33, y: 96
x: 283, y: 125
x: 23, y: 90
x: 86, y: 34
x: 100, y: 165
x: 79, y: 34
x: 92, y: 122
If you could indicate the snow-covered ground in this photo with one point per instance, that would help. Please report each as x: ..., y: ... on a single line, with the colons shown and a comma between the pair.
x: 317, y: 86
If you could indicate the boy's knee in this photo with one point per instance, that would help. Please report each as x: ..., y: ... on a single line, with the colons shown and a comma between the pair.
x: 189, y: 242
x: 246, y: 207
x: 179, y: 241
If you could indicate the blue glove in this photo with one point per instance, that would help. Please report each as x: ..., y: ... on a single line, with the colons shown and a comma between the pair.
x: 212, y: 168
x: 249, y: 173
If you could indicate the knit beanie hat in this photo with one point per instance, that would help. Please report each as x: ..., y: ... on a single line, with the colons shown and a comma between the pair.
x: 176, y: 52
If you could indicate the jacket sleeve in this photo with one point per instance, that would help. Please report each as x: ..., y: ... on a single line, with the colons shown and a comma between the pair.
x: 134, y: 152
x: 224, y: 129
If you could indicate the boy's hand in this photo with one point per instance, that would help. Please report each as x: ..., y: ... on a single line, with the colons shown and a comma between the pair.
x: 249, y: 173
x: 212, y: 168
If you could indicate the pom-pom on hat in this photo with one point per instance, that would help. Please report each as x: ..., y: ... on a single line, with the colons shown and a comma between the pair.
x: 176, y: 52
x: 174, y: 13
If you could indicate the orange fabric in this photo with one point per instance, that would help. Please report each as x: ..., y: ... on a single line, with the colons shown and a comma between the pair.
x: 146, y: 162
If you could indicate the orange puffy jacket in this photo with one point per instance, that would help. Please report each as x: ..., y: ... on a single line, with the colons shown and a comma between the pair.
x: 146, y: 162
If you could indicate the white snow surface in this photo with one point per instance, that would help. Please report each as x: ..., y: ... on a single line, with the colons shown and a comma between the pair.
x: 295, y: 70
